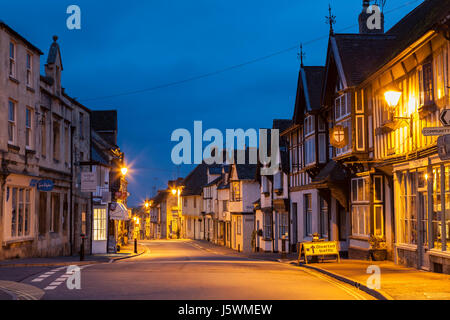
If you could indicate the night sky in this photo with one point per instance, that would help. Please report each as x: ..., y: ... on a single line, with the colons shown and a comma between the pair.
x: 126, y: 46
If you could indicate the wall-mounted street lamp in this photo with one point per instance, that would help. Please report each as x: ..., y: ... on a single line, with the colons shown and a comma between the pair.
x: 392, y: 97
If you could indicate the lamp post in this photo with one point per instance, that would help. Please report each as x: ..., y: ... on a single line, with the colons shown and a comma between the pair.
x: 177, y: 192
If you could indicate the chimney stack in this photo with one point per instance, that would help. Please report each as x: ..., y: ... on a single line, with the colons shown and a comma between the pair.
x: 370, y: 23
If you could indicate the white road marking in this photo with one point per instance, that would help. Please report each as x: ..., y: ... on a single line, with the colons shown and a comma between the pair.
x: 50, y: 288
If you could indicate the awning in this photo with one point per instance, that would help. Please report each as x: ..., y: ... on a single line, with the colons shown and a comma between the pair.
x: 118, y: 211
x: 334, y: 178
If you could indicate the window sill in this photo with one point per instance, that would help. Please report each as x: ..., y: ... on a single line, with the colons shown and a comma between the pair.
x: 361, y: 238
x: 30, y: 89
x: 13, y: 147
x: 14, y: 80
x: 439, y: 253
x: 404, y: 246
x: 17, y: 240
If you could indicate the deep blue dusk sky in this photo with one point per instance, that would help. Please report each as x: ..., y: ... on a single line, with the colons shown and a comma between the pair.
x: 131, y: 45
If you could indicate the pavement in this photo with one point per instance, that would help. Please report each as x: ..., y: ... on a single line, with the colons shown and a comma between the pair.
x: 200, y: 270
x: 181, y: 270
x: 396, y: 282
x: 125, y: 252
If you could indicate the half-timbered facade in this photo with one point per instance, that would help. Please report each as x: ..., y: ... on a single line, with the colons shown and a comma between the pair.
x: 407, y: 95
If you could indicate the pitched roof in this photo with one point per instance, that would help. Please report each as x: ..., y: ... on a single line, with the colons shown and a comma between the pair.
x: 416, y: 23
x: 105, y: 120
x: 361, y: 54
x: 160, y: 197
x: 18, y: 36
x: 281, y: 124
x: 309, y: 88
x: 246, y: 171
x: 195, y: 180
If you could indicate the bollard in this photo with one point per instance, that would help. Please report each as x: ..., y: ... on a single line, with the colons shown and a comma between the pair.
x: 135, y: 245
x: 82, y: 249
x: 283, y: 247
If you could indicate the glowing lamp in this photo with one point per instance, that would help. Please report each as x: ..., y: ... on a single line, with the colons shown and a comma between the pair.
x: 392, y: 97
x: 124, y: 170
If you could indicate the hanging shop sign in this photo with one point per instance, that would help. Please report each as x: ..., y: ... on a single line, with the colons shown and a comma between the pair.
x: 318, y: 248
x: 88, y: 182
x: 45, y: 185
x: 339, y: 137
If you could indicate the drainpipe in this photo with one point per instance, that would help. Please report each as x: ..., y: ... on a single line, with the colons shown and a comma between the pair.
x: 71, y: 231
x: 271, y: 211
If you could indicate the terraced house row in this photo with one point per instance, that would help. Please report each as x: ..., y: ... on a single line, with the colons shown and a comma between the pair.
x: 47, y: 139
x: 356, y: 167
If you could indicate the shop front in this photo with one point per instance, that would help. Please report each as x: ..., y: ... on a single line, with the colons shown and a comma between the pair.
x: 422, y: 213
x: 119, y: 215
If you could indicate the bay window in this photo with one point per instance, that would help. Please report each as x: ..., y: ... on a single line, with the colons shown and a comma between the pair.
x: 360, y: 206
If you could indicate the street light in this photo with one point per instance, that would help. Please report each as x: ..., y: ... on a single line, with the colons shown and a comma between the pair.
x: 124, y: 170
x: 392, y: 97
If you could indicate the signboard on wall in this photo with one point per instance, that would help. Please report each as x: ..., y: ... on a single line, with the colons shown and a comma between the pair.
x: 88, y: 182
x: 338, y: 137
x: 45, y: 185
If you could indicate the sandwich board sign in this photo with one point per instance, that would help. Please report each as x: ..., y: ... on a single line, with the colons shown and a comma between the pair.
x: 318, y: 248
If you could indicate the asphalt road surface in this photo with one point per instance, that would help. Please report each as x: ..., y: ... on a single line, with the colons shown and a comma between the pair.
x: 182, y: 269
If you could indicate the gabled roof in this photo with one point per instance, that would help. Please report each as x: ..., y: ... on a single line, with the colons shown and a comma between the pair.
x: 246, y: 171
x: 359, y: 55
x: 418, y: 22
x: 54, y: 53
x: 160, y: 197
x: 195, y: 180
x: 309, y: 88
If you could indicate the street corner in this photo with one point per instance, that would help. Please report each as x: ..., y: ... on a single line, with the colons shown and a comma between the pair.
x: 11, y: 290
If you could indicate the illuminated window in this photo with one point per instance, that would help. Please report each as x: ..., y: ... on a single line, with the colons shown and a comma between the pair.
x: 99, y: 224
x: 235, y: 191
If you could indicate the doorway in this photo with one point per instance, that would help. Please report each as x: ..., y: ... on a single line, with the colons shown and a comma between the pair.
x: 422, y: 245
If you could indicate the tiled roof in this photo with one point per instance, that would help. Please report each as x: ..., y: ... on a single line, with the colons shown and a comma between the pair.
x: 104, y: 120
x: 309, y: 88
x: 246, y: 171
x: 160, y: 197
x: 418, y: 22
x: 362, y: 54
x: 195, y: 180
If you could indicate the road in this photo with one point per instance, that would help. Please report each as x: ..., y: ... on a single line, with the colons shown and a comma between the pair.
x: 183, y: 269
